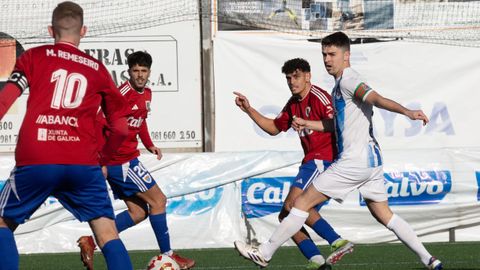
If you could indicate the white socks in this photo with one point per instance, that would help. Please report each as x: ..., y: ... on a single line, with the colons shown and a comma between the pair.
x: 287, y: 228
x: 318, y: 259
x: 406, y: 234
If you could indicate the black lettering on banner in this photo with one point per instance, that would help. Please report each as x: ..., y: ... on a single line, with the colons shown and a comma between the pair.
x: 18, y: 78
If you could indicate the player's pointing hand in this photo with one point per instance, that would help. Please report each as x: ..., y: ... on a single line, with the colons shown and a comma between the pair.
x: 417, y: 115
x: 241, y: 101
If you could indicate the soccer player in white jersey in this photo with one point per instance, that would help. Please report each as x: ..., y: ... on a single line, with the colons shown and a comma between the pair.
x: 359, y: 163
x: 310, y: 102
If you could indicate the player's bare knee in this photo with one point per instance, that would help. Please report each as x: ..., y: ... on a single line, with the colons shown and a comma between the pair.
x: 139, y: 214
x: 380, y: 211
x: 158, y: 204
x: 301, y: 203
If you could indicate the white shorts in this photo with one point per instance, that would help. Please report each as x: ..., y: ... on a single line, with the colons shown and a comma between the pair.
x: 340, y: 179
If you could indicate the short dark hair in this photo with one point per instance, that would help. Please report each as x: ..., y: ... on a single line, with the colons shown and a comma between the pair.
x: 67, y: 17
x: 296, y: 63
x: 337, y: 39
x: 139, y: 58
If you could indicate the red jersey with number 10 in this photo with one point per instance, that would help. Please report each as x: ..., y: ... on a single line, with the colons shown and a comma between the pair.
x: 315, y: 106
x: 66, y: 88
x: 139, y: 104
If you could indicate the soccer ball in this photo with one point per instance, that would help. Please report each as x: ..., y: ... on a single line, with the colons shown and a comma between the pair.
x: 162, y: 262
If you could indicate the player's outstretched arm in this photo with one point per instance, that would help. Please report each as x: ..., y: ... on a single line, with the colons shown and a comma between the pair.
x: 8, y: 95
x: 265, y: 123
x: 325, y: 125
x: 384, y: 103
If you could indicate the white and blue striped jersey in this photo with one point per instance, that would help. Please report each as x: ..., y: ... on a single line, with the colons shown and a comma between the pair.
x: 356, y: 144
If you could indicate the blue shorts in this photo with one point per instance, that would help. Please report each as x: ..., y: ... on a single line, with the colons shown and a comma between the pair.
x: 307, y: 172
x: 128, y: 179
x: 81, y: 189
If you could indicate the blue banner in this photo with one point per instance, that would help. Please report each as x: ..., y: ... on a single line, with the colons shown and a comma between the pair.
x: 264, y: 196
x: 416, y: 187
x: 196, y: 203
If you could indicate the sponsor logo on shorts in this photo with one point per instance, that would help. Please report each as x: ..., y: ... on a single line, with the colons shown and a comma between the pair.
x: 264, y: 196
x: 416, y: 187
x: 196, y: 203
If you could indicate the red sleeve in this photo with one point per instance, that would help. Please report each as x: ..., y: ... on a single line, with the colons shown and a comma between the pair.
x: 145, y: 135
x: 118, y: 133
x: 8, y: 95
x: 114, y: 105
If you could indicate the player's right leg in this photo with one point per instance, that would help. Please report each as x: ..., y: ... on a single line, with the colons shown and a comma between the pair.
x: 306, y: 245
x: 302, y: 238
x: 308, y: 172
x: 85, y: 195
x: 137, y: 210
x: 115, y: 253
x: 287, y: 228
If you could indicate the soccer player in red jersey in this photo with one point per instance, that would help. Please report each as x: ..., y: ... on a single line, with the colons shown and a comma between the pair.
x: 129, y: 179
x: 57, y: 152
x: 312, y: 103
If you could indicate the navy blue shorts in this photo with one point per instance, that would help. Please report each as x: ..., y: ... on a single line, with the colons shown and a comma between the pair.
x: 309, y: 171
x: 81, y: 189
x: 128, y: 179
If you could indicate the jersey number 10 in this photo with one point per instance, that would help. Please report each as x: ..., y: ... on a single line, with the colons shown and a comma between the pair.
x: 69, y: 89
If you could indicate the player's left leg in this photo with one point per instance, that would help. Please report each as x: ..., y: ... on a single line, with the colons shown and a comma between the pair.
x: 377, y: 201
x: 308, y: 172
x: 302, y: 238
x: 137, y: 211
x: 84, y: 193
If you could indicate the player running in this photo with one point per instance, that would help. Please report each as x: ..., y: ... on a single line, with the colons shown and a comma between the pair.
x: 359, y: 165
x: 128, y: 178
x: 313, y: 103
x: 57, y: 152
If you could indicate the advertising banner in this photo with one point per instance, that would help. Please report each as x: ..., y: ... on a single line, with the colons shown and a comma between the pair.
x: 215, y: 200
x: 175, y: 79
